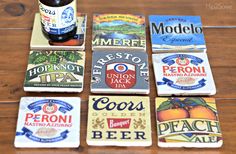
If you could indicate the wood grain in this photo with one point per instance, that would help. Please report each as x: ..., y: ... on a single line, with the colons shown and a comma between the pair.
x: 16, y: 18
x: 15, y: 46
x: 19, y: 14
x: 227, y: 117
x: 16, y: 49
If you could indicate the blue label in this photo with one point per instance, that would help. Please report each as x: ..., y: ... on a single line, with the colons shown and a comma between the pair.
x: 37, y: 106
x: 176, y: 30
x: 170, y: 83
x: 58, y: 31
x: 170, y: 60
x: 67, y: 15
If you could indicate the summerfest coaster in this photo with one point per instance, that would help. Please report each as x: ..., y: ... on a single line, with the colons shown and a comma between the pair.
x: 188, y: 122
x: 115, y: 32
x: 45, y: 122
x: 176, y: 33
x: 55, y: 71
x: 119, y: 121
x: 40, y: 42
x: 120, y: 72
x: 183, y: 74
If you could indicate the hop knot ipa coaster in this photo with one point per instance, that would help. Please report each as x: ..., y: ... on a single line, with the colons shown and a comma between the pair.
x: 183, y: 74
x: 48, y: 122
x: 119, y: 32
x: 55, y: 71
x: 119, y: 121
x: 176, y: 33
x: 40, y: 42
x: 120, y: 72
x: 188, y: 122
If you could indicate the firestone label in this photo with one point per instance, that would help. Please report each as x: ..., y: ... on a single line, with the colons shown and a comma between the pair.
x: 120, y: 75
x: 120, y: 71
x: 119, y: 121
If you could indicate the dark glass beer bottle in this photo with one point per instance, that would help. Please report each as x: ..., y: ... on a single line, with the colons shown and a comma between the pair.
x: 58, y: 19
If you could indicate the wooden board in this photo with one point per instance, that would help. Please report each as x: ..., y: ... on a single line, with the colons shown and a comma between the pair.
x: 227, y: 117
x: 20, y: 14
x: 15, y: 31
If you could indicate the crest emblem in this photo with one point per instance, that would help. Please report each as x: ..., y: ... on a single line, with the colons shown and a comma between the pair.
x: 120, y: 75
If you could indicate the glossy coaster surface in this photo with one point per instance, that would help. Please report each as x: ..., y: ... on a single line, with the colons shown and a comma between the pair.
x: 55, y: 71
x: 188, y: 122
x: 176, y: 33
x: 119, y: 32
x: 120, y: 72
x: 119, y: 121
x: 45, y: 122
x: 183, y: 74
x: 40, y: 42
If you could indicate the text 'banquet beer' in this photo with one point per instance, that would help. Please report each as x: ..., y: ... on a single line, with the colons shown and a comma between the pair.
x: 58, y: 19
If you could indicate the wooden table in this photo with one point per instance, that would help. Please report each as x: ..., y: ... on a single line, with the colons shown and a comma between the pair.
x: 218, y: 17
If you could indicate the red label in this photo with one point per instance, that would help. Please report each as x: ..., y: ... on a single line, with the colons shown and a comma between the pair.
x: 182, y: 61
x: 118, y: 123
x: 120, y: 75
x: 49, y: 108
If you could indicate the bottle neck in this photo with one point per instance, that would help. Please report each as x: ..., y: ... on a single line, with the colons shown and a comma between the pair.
x: 56, y: 3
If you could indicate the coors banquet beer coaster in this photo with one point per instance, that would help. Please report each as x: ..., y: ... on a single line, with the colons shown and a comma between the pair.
x: 45, y: 122
x: 119, y: 121
x: 55, y: 71
x: 40, y: 42
x: 188, y: 122
x: 176, y: 33
x: 183, y: 74
x: 120, y: 72
x: 119, y: 32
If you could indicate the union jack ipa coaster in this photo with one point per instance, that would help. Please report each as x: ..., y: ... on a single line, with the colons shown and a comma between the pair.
x: 183, y: 74
x: 120, y: 72
x: 45, y: 122
x: 119, y: 121
x: 40, y: 42
x: 188, y: 122
x: 55, y: 71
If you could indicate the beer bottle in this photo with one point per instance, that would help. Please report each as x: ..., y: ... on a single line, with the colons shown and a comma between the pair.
x: 58, y: 19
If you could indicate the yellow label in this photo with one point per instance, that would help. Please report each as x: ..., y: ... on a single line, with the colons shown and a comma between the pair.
x: 119, y: 120
x: 119, y: 17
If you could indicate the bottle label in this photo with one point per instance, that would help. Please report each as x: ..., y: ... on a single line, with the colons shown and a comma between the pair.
x: 58, y: 20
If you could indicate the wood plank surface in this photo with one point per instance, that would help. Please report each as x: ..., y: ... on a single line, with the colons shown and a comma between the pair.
x: 15, y: 46
x: 16, y: 49
x: 20, y: 13
x: 227, y: 117
x: 16, y: 18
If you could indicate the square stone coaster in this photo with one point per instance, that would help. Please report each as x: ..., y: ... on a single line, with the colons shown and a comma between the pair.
x: 188, y: 122
x: 176, y: 33
x: 183, y: 74
x: 40, y: 42
x: 119, y: 32
x: 55, y: 71
x: 120, y: 72
x: 119, y: 121
x: 45, y: 122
